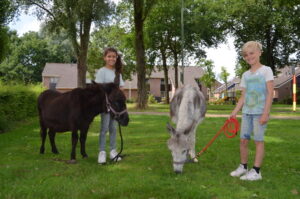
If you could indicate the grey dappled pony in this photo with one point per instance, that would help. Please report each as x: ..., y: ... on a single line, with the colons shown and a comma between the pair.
x: 187, y: 110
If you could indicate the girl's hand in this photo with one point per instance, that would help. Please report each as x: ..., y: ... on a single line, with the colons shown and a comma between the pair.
x: 264, y: 119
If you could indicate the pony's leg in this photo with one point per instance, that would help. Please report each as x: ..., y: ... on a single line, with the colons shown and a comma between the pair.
x: 43, y: 136
x: 192, y: 144
x: 74, y: 143
x: 52, y: 134
x: 83, y: 134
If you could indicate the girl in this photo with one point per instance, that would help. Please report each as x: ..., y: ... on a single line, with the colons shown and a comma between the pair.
x: 107, y: 74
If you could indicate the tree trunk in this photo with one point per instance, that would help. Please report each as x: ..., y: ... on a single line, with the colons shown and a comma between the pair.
x: 140, y: 54
x: 84, y: 45
x: 269, y: 50
x: 166, y: 76
x: 176, y: 69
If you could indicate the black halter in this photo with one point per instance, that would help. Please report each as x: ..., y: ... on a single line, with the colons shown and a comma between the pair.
x: 117, y: 116
x: 110, y: 108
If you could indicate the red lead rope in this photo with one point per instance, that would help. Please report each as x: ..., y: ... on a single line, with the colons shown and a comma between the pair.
x: 230, y: 129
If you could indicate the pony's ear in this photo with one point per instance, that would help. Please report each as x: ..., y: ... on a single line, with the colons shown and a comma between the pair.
x: 170, y: 128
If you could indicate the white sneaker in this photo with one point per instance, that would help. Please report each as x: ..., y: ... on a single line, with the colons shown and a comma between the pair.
x: 113, y: 154
x: 102, y: 157
x: 239, y: 171
x: 251, y: 175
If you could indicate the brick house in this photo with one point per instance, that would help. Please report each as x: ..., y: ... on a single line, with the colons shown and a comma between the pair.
x: 155, y: 82
x: 232, y: 86
x: 282, y: 85
x: 63, y: 77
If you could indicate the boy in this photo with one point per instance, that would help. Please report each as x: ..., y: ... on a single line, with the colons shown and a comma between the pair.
x: 256, y: 100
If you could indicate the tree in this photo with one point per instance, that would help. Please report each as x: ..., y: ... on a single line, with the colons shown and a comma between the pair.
x: 26, y: 60
x: 240, y: 68
x: 141, y: 10
x: 59, y: 45
x: 111, y: 36
x: 157, y: 34
x: 164, y: 38
x: 208, y: 78
x: 224, y: 77
x: 27, y: 56
x: 76, y: 18
x: 8, y: 9
x: 275, y: 23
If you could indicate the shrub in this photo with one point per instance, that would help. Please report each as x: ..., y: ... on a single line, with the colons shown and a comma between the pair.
x: 17, y: 102
x: 151, y: 99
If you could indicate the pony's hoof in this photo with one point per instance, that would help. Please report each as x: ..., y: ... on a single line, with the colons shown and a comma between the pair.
x: 85, y: 156
x: 72, y: 161
x: 55, y: 152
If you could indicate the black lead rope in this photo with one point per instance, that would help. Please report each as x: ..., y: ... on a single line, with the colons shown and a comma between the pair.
x: 115, y: 159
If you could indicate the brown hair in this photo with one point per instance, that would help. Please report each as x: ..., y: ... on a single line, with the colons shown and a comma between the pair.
x: 118, y: 65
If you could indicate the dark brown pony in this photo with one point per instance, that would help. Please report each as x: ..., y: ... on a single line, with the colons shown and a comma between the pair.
x: 75, y: 110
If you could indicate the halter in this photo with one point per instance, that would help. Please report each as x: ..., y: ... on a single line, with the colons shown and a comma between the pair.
x: 110, y: 108
x: 182, y: 162
x: 117, y: 116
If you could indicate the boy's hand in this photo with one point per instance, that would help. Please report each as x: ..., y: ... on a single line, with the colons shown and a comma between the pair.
x: 264, y: 119
x: 232, y: 115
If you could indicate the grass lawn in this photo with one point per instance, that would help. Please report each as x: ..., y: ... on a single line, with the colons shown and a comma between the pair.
x: 277, y: 109
x: 146, y: 171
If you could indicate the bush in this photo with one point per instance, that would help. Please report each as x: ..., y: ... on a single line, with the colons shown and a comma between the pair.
x: 17, y: 103
x: 151, y: 99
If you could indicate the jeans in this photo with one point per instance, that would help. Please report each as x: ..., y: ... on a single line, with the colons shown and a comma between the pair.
x: 250, y: 123
x: 107, y: 124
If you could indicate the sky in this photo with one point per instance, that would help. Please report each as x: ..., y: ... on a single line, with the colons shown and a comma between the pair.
x: 224, y: 55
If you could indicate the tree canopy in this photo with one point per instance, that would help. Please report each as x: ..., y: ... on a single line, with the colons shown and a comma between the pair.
x: 76, y: 18
x: 274, y: 23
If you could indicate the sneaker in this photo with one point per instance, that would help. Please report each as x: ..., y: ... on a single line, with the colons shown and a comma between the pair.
x: 239, y: 171
x: 251, y: 175
x: 102, y: 157
x: 113, y: 154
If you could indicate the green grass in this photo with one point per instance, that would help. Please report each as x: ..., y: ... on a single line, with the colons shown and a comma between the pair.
x: 277, y: 109
x: 146, y: 171
x: 151, y: 108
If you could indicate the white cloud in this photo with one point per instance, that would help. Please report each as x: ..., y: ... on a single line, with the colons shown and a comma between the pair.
x: 25, y: 23
x: 224, y: 55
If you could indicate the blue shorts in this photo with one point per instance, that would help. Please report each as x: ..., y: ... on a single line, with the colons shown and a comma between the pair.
x: 250, y: 123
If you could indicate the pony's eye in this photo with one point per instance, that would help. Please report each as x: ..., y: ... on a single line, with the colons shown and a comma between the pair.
x: 184, y: 151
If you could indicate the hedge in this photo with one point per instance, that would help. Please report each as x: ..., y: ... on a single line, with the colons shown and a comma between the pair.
x: 17, y: 103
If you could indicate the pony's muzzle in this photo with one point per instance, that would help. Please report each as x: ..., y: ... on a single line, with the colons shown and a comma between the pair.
x: 123, y: 119
x: 178, y: 172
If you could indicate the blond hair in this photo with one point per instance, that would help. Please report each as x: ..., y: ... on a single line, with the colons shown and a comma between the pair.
x: 251, y: 44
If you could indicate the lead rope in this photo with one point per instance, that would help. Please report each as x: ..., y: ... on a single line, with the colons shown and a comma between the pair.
x: 231, y: 126
x: 115, y: 159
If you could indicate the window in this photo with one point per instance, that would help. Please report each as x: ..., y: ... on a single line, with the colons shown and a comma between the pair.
x: 181, y: 77
x: 162, y: 87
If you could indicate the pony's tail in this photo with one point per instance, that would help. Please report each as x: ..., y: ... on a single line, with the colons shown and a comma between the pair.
x: 119, y: 68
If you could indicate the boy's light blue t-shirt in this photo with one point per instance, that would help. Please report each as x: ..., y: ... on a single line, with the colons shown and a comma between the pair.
x: 105, y: 75
x: 256, y: 89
